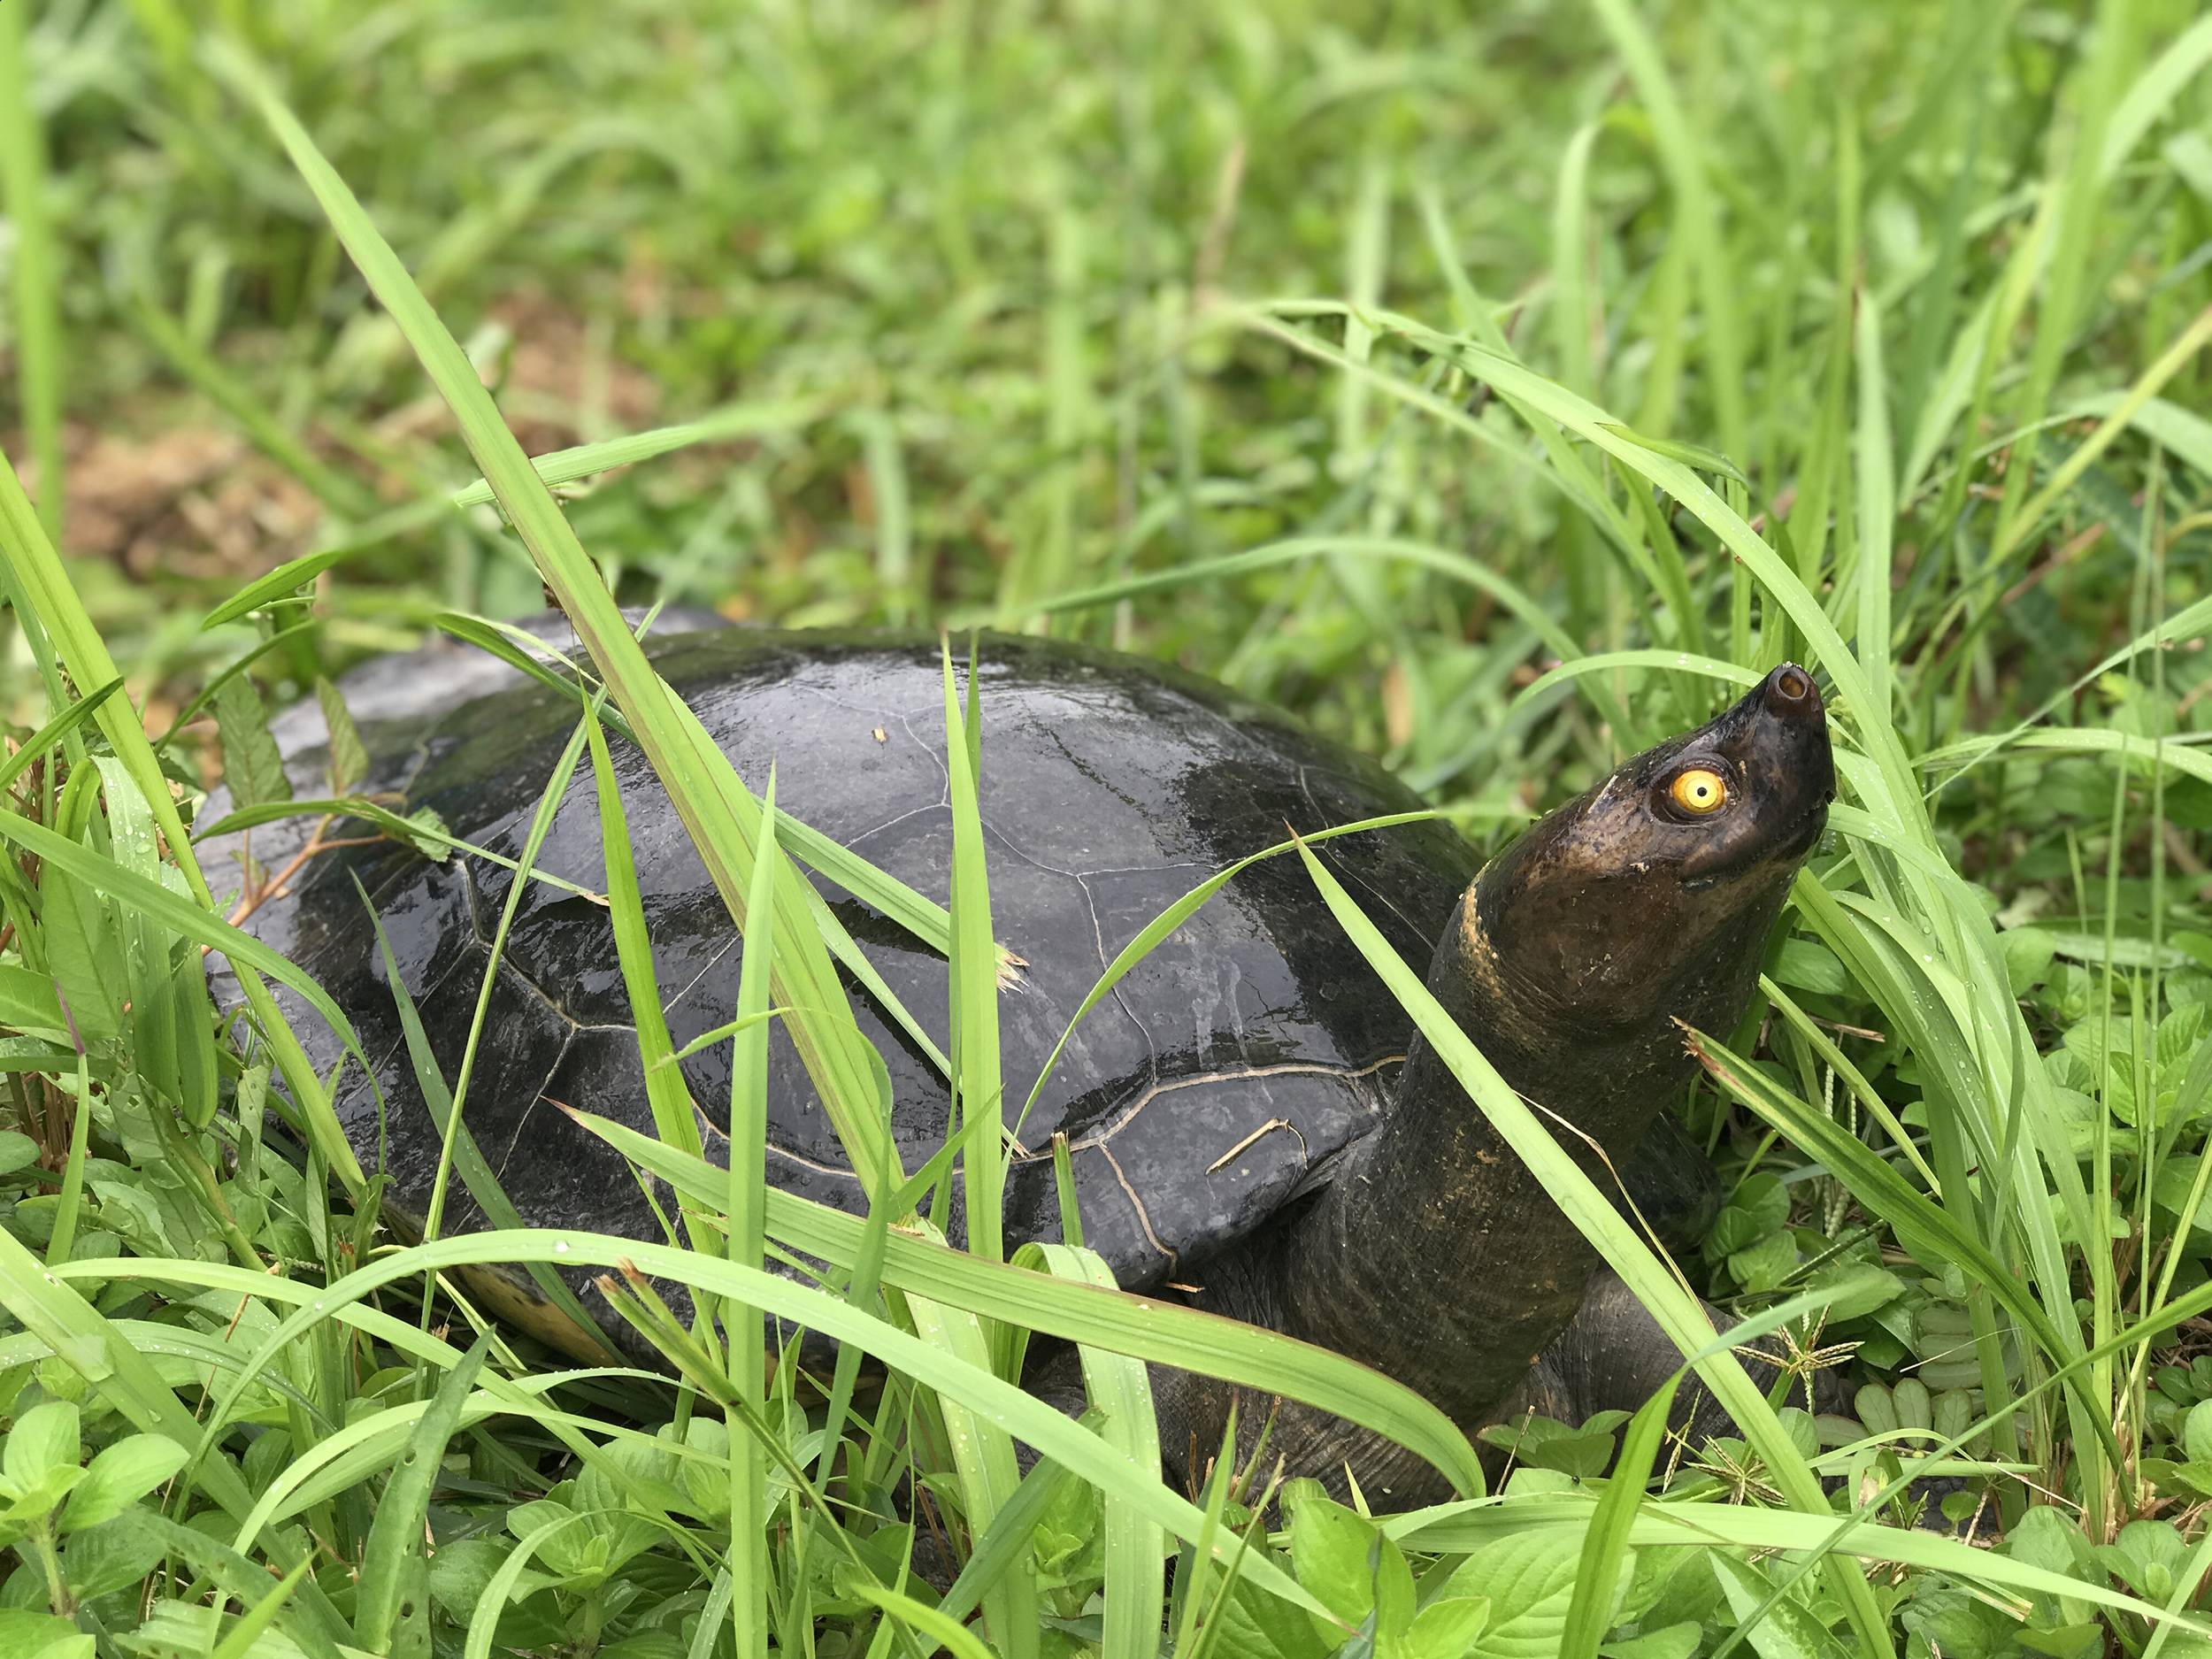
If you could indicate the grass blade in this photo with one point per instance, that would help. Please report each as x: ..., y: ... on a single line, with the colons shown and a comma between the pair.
x: 974, y: 974
x: 748, y: 1243
x: 983, y: 1456
x: 1162, y: 1331
x: 392, y: 1607
x: 739, y: 420
x: 40, y: 578
x: 720, y: 817
x: 1121, y: 1390
x: 23, y: 170
x: 457, y: 1147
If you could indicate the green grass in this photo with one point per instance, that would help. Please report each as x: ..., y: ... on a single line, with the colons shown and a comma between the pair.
x: 1497, y: 388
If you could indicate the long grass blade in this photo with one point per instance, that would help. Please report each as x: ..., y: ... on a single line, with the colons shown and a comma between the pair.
x: 1162, y: 1331
x: 719, y: 815
x: 747, y: 1242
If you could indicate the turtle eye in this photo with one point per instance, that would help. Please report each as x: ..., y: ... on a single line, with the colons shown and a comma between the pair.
x: 1700, y: 790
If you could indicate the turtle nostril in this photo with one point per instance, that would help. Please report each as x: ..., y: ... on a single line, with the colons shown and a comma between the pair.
x: 1789, y: 690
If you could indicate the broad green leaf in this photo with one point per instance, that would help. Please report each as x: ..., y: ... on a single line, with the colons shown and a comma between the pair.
x: 1445, y: 1628
x: 1529, y: 1581
x: 27, y: 1001
x: 31, y: 1501
x: 101, y: 1560
x: 1673, y: 1641
x: 1332, y: 1550
x: 44, y: 1438
x: 119, y: 1477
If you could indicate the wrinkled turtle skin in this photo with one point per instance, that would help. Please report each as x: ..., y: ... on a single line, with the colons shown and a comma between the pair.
x: 1247, y: 1132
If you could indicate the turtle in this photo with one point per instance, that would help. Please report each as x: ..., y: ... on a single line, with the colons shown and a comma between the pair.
x: 1253, y: 1124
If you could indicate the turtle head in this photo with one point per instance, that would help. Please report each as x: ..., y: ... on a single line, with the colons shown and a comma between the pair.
x: 1649, y: 898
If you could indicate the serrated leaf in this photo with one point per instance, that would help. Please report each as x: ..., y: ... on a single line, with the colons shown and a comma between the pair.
x: 348, y: 756
x: 83, y: 950
x: 251, y: 765
x: 119, y: 1477
x: 430, y: 836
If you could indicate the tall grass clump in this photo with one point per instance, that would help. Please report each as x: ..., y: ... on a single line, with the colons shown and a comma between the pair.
x: 1498, y: 388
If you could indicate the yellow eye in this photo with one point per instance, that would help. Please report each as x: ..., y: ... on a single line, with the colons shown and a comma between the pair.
x: 1700, y: 791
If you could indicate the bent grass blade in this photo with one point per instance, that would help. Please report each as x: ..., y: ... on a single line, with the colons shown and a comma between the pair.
x: 1163, y: 1332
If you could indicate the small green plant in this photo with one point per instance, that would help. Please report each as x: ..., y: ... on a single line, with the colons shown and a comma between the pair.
x: 73, y: 1512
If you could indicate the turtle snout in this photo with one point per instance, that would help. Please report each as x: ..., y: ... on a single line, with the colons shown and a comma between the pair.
x: 1789, y: 694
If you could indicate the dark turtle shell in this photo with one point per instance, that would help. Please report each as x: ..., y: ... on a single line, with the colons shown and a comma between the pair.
x: 1247, y: 1051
